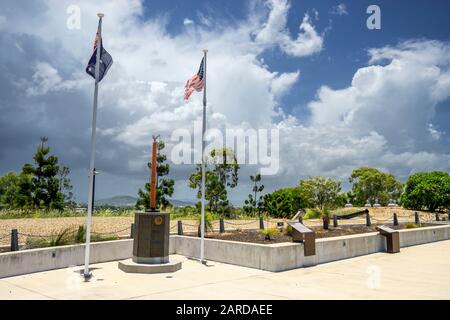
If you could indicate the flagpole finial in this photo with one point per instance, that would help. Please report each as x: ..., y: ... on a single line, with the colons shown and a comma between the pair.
x: 100, y: 15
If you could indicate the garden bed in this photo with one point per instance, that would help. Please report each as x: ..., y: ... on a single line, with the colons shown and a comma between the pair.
x: 254, y: 236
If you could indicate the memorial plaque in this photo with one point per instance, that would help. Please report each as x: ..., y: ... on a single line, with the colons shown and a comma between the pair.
x: 151, y: 243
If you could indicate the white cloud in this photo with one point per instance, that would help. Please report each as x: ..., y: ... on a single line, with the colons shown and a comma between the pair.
x: 283, y: 83
x: 434, y: 133
x: 307, y: 43
x: 274, y: 32
x: 340, y: 9
x: 187, y: 21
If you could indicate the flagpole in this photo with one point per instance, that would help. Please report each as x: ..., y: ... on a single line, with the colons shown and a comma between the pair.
x: 202, y: 240
x: 87, y: 274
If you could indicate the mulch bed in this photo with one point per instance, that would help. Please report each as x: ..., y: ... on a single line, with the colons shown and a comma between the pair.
x: 254, y: 237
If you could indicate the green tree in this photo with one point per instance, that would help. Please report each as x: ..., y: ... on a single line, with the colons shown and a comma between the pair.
x: 254, y: 204
x: 165, y: 186
x: 283, y: 203
x: 9, y: 190
x: 215, y: 191
x: 321, y: 193
x: 370, y: 184
x: 65, y: 185
x: 225, y: 166
x: 224, y: 173
x: 45, y: 183
x: 427, y: 190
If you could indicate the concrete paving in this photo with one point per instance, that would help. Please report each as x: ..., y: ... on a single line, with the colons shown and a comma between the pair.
x: 418, y: 272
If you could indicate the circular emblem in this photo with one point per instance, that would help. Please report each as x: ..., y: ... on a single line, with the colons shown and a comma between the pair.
x: 158, y: 220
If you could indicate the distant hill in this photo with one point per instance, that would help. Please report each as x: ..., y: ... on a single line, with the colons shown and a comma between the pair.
x: 117, y: 201
x: 129, y: 201
x: 181, y: 203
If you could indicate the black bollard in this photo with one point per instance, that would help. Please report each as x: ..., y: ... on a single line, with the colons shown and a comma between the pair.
x: 222, y: 225
x: 199, y: 232
x: 300, y: 219
x: 180, y: 228
x: 132, y: 231
x: 449, y: 215
x: 368, y: 222
x: 261, y: 223
x: 437, y: 217
x: 335, y: 222
x: 14, y: 240
x: 416, y: 218
x: 395, y: 220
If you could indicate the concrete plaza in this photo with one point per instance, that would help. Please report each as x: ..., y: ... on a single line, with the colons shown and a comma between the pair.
x: 418, y: 272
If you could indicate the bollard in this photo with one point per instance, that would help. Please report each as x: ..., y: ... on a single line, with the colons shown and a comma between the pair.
x: 300, y: 219
x: 132, y: 231
x: 416, y: 218
x: 199, y: 232
x: 335, y: 222
x: 395, y: 220
x: 449, y: 215
x: 222, y: 225
x: 437, y: 217
x: 368, y: 222
x: 14, y: 240
x: 180, y: 227
x: 261, y: 223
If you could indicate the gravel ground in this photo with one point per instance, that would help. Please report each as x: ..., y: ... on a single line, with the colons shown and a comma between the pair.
x: 121, y: 225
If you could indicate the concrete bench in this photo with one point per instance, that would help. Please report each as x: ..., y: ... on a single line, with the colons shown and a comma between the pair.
x: 300, y: 233
x: 392, y: 238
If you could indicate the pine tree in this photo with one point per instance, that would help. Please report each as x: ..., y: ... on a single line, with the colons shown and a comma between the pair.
x: 45, y: 183
x: 254, y: 204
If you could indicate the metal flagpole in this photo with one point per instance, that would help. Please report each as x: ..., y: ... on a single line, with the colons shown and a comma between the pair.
x: 202, y: 241
x: 86, y: 273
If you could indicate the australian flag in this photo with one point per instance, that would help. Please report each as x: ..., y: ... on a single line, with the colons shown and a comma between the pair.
x: 105, y: 60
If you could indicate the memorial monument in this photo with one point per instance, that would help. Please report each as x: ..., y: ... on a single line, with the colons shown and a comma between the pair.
x: 151, y: 235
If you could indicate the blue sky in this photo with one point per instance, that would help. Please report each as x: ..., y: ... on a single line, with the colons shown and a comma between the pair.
x: 341, y: 95
x: 346, y: 44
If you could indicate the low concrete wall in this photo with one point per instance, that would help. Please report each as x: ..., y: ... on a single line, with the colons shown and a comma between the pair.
x: 286, y: 256
x: 275, y: 257
x: 413, y: 237
x: 281, y: 256
x: 36, y: 260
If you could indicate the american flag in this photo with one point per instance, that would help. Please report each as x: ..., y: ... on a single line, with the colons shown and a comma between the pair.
x: 195, y: 83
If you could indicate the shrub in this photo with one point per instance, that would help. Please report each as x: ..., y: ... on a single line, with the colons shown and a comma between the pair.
x: 80, y: 235
x: 267, y: 233
x: 61, y: 238
x: 411, y: 225
x: 101, y: 237
x: 34, y: 243
x: 208, y: 221
x: 311, y: 214
x: 283, y: 203
x: 288, y: 230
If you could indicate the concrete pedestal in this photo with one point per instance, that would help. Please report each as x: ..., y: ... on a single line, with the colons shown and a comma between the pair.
x: 151, y: 237
x: 130, y: 266
x: 150, y: 245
